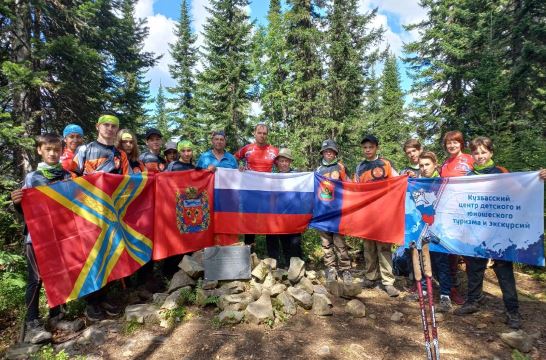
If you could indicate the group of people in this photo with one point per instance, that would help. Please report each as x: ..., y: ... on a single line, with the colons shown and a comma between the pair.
x: 116, y: 151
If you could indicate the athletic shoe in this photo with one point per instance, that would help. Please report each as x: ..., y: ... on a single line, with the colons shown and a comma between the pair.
x: 109, y: 309
x: 94, y: 313
x: 456, y: 297
x: 330, y: 274
x: 368, y: 284
x: 392, y: 291
x: 445, y: 304
x: 35, y: 333
x: 347, y: 277
x: 513, y: 320
x: 467, y: 308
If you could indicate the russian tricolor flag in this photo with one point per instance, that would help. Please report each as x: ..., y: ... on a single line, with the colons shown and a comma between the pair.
x: 249, y: 202
x: 373, y: 210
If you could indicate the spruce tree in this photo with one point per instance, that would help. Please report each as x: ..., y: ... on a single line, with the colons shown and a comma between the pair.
x: 184, y: 54
x: 223, y: 85
x: 162, y: 117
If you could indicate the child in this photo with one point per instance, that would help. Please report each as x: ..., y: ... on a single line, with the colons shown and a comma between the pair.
x: 73, y: 137
x: 170, y: 152
x: 333, y: 243
x: 128, y: 144
x: 152, y: 158
x: 412, y: 149
x: 185, y: 162
x: 48, y: 171
x: 101, y: 154
x: 377, y: 255
x: 290, y: 243
x: 428, y: 163
x: 482, y: 153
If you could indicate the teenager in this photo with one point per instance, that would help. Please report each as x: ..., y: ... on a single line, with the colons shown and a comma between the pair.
x: 127, y: 142
x: 152, y: 158
x: 73, y: 137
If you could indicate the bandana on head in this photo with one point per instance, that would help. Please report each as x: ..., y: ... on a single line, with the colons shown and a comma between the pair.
x: 72, y: 129
x: 108, y: 119
x: 219, y: 132
x: 126, y: 137
x: 184, y: 144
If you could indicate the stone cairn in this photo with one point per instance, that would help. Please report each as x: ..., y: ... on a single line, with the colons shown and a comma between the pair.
x: 270, y: 296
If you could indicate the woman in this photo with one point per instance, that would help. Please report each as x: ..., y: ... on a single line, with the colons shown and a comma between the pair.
x: 127, y: 143
x: 457, y: 164
x: 72, y: 137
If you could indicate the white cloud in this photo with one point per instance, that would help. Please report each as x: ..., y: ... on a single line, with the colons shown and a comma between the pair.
x: 144, y: 8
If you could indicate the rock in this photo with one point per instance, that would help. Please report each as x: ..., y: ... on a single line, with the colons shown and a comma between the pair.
x: 307, y: 285
x: 301, y: 297
x: 200, y: 297
x: 230, y: 317
x: 255, y: 289
x: 518, y: 340
x: 70, y: 326
x: 173, y: 300
x: 311, y: 274
x: 233, y: 287
x: 141, y: 313
x: 260, y: 271
x: 322, y: 306
x: 269, y: 281
x: 191, y: 267
x: 144, y: 295
x: 277, y: 289
x: 439, y: 317
x: 198, y: 257
x: 254, y: 260
x: 159, y: 298
x: 356, y: 308
x: 235, y: 302
x: 280, y: 274
x: 334, y: 288
x: 260, y: 310
x: 296, y: 270
x: 324, y: 350
x: 272, y: 263
x: 92, y: 335
x: 319, y: 289
x: 481, y: 326
x: 397, y: 316
x: 287, y: 302
x: 22, y: 351
x: 180, y: 279
x: 351, y: 289
x: 372, y: 316
x: 210, y: 284
x: 69, y: 347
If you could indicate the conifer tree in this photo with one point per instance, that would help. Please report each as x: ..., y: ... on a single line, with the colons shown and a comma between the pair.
x: 223, y: 85
x: 184, y: 54
x: 162, y: 117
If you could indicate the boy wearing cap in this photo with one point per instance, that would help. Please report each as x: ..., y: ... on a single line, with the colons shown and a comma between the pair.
x: 333, y: 243
x: 152, y: 158
x: 217, y: 156
x: 377, y: 255
x: 101, y: 154
x: 290, y: 243
x: 185, y: 162
x: 171, y: 152
x: 73, y: 137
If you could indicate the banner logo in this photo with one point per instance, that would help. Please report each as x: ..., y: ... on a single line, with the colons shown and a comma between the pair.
x: 192, y: 211
x: 326, y: 191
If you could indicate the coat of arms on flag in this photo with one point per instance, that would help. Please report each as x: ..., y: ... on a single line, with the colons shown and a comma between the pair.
x: 192, y: 210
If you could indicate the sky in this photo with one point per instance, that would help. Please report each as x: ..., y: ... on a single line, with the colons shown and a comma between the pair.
x: 162, y: 16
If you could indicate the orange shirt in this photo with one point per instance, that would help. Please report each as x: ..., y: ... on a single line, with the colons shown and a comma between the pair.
x: 458, y: 166
x: 258, y: 158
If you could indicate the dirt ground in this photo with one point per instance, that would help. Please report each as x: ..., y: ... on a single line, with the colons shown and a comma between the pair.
x: 307, y: 336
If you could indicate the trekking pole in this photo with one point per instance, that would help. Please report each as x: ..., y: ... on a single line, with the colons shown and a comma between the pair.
x: 418, y: 277
x: 427, y: 269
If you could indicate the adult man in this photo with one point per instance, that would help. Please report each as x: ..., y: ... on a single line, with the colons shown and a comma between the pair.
x: 217, y: 156
x: 257, y: 156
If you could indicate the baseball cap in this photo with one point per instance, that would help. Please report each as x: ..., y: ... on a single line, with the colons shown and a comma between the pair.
x: 152, y: 131
x: 370, y: 138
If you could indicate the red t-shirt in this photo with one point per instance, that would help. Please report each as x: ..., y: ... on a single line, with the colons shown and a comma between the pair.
x: 258, y: 158
x: 458, y: 166
x: 66, y: 159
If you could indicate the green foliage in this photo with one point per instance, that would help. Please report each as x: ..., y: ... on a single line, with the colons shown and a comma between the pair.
x: 174, y: 315
x: 75, y: 308
x: 188, y: 296
x: 12, y: 282
x: 517, y: 355
x: 131, y: 327
x: 48, y: 353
